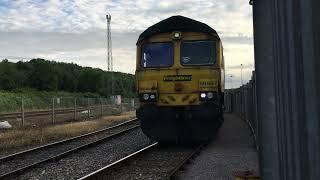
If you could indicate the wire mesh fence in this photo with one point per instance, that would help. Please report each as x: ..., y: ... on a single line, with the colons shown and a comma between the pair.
x: 54, y: 110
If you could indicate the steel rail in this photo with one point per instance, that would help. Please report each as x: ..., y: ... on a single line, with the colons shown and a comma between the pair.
x: 183, y: 162
x: 61, y: 155
x: 98, y: 174
x: 63, y: 141
x: 44, y: 112
x: 102, y: 173
x: 41, y: 112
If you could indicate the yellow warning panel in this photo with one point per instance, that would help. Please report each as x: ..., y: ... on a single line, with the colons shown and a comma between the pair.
x: 148, y: 85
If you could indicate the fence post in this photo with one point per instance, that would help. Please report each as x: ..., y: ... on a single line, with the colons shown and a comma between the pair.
x: 88, y: 108
x: 132, y: 104
x: 22, y: 112
x: 53, y: 120
x: 101, y: 107
x: 121, y: 106
x: 75, y: 109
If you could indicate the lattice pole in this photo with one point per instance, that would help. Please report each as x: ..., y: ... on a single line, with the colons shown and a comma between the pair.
x: 109, y: 48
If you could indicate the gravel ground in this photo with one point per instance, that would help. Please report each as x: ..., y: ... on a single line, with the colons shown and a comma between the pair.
x: 233, y: 149
x: 156, y: 163
x: 83, y: 162
x: 44, y: 153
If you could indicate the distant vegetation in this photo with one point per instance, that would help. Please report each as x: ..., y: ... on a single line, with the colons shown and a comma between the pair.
x: 43, y: 75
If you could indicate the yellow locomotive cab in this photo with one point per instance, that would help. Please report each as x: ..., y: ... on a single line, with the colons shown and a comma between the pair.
x: 180, y: 80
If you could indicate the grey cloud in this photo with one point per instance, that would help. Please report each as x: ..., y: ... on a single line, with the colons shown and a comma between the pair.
x: 82, y: 48
x: 40, y: 42
x: 244, y: 66
x: 237, y: 39
x: 75, y: 31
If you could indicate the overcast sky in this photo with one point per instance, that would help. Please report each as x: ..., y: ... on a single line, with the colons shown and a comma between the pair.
x: 75, y: 30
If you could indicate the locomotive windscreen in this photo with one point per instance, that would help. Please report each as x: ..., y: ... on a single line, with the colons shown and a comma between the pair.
x: 157, y: 55
x: 198, y: 53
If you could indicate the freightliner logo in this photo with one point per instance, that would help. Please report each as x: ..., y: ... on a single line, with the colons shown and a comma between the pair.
x: 177, y: 78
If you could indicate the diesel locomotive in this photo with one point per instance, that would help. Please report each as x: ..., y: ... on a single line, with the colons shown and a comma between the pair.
x: 180, y: 80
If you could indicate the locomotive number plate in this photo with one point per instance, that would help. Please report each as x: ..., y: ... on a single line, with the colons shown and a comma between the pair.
x: 208, y: 84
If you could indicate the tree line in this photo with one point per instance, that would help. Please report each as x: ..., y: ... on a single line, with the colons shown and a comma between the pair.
x: 46, y: 75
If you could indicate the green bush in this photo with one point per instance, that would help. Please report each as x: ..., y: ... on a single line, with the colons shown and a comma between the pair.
x: 52, y: 76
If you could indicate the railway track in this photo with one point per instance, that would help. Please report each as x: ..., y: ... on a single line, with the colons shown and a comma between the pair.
x: 13, y: 165
x: 27, y: 114
x: 152, y: 162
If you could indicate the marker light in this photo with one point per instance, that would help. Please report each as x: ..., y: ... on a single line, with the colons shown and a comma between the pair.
x: 152, y: 96
x: 146, y: 96
x: 203, y: 95
x: 210, y: 95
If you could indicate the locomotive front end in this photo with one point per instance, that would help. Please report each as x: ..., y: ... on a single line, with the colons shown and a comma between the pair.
x: 180, y: 81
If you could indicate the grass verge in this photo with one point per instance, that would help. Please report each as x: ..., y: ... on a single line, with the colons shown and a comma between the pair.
x: 11, y: 101
x: 17, y: 139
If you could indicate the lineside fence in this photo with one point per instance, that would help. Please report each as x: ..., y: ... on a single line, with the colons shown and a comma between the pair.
x: 286, y: 114
x: 35, y: 112
x: 287, y: 63
x: 242, y: 102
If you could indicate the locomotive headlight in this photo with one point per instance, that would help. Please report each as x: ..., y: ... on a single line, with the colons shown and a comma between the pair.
x: 148, y: 97
x: 152, y: 96
x: 210, y: 95
x: 145, y: 97
x: 176, y: 35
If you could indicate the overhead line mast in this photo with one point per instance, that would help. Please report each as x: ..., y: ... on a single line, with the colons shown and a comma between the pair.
x: 109, y: 49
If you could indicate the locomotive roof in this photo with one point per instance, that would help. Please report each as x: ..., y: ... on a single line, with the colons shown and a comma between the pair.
x: 177, y: 23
